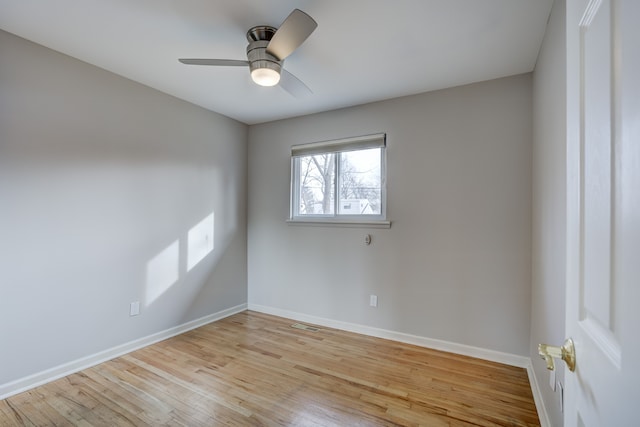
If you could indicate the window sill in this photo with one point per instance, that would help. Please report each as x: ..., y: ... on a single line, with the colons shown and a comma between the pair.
x: 340, y: 223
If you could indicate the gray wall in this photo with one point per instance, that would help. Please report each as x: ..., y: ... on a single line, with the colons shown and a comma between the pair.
x: 549, y: 203
x: 456, y: 263
x: 101, y: 180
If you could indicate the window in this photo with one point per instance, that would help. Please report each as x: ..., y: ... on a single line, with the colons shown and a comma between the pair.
x: 340, y: 182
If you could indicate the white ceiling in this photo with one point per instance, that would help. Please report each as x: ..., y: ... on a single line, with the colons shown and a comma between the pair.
x: 362, y: 50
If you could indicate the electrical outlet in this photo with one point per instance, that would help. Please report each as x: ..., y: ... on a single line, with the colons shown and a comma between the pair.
x: 373, y: 300
x: 134, y: 308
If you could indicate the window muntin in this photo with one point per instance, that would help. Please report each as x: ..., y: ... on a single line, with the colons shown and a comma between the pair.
x: 339, y: 180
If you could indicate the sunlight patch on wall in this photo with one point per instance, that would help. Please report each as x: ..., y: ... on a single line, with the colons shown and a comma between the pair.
x: 200, y: 241
x: 162, y: 272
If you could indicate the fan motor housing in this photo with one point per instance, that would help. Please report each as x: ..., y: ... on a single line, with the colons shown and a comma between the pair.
x: 259, y: 57
x: 260, y: 32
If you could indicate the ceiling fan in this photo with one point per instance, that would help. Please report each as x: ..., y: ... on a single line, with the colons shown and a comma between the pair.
x: 268, y: 47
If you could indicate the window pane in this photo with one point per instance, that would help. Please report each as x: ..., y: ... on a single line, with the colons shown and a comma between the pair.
x: 360, y: 182
x: 317, y: 183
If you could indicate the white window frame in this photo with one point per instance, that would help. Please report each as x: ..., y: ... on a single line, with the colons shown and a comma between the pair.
x: 339, y: 146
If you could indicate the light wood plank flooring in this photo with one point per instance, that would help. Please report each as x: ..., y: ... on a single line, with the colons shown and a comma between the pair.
x: 253, y: 369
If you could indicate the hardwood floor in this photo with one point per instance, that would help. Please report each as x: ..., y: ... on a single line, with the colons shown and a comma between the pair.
x: 253, y: 369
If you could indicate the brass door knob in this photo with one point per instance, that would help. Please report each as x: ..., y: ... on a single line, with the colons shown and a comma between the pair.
x: 567, y: 353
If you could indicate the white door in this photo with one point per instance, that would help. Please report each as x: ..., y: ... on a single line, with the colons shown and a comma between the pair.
x: 603, y: 212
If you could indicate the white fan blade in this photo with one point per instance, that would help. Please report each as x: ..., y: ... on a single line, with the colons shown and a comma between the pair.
x: 291, y: 34
x: 293, y: 85
x: 220, y: 62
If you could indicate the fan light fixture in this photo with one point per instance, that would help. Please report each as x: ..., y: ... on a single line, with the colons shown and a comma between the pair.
x: 265, y: 76
x: 265, y: 68
x: 267, y: 49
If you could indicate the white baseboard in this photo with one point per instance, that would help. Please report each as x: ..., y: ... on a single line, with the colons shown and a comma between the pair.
x: 537, y: 397
x: 462, y: 349
x: 37, y: 379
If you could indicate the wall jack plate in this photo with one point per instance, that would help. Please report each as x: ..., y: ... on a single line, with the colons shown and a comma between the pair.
x: 134, y: 308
